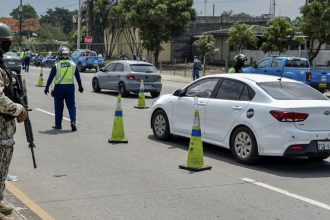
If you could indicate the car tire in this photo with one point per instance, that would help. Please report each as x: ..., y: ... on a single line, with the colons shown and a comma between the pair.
x: 96, y: 86
x: 154, y: 94
x: 79, y: 67
x: 160, y: 125
x: 122, y: 89
x: 318, y: 159
x: 243, y: 146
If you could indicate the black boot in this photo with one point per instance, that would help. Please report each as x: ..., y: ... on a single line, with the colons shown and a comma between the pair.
x: 73, y: 126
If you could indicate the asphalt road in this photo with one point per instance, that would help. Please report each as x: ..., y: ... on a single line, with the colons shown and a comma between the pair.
x: 81, y: 176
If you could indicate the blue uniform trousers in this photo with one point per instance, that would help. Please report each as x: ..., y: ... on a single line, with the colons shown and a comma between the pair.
x: 64, y: 93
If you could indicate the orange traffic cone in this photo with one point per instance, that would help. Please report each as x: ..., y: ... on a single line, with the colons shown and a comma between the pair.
x: 195, y: 160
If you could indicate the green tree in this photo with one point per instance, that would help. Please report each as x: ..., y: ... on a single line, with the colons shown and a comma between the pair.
x: 60, y: 17
x: 278, y: 34
x: 204, y: 47
x: 51, y: 32
x: 158, y: 21
x: 315, y: 25
x: 106, y: 25
x: 242, y: 37
x: 27, y: 12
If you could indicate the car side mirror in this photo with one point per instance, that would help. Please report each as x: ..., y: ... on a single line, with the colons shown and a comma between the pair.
x: 178, y: 93
x: 254, y: 64
x: 102, y: 69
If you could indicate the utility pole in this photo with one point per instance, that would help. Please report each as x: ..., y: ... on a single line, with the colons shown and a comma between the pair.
x: 205, y: 8
x: 274, y: 8
x: 79, y: 24
x: 20, y: 25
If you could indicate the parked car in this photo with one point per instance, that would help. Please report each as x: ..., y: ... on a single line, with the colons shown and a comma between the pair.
x: 48, y: 61
x: 252, y: 115
x: 13, y: 61
x: 125, y: 76
x: 294, y: 68
x: 87, y: 59
x: 37, y: 60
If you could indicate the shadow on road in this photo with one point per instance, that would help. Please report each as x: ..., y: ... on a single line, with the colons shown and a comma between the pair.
x: 280, y: 166
x: 130, y: 95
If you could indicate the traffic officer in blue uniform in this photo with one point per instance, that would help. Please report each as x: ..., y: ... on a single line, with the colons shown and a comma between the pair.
x: 64, y: 90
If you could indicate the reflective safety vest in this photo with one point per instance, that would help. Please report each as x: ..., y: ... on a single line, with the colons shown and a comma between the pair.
x: 65, y: 70
x: 232, y: 70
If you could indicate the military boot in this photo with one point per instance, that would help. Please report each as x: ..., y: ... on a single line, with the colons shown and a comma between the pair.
x: 5, y: 209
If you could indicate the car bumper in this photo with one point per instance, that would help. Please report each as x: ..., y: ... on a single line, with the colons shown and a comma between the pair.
x: 320, y: 86
x: 306, y: 150
x: 278, y: 141
x: 148, y: 87
x: 14, y: 68
x: 91, y: 66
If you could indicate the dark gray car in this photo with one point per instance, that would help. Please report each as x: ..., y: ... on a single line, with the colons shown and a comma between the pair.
x: 13, y: 61
x: 125, y: 76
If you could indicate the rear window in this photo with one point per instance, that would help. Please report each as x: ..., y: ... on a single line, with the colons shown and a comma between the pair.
x: 297, y: 63
x: 291, y: 91
x: 142, y: 68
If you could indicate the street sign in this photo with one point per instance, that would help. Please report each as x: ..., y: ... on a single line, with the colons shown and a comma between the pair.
x: 88, y: 39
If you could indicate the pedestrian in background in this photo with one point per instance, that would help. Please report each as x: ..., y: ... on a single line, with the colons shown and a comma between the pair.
x: 9, y: 110
x: 22, y: 54
x: 64, y: 90
x: 197, y: 65
x: 27, y: 59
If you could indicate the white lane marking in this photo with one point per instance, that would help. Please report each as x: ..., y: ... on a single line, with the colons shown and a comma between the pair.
x: 287, y: 193
x: 52, y: 114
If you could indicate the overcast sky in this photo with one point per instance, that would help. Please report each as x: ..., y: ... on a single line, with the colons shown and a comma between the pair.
x: 288, y: 8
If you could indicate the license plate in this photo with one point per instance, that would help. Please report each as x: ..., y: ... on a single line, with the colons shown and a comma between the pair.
x: 322, y: 85
x: 323, y: 145
x: 11, y: 62
x: 96, y: 62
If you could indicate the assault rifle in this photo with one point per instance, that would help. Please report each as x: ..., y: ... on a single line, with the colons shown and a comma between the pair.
x: 23, y: 99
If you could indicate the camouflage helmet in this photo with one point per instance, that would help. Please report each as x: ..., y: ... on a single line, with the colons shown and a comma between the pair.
x: 63, y: 52
x: 5, y: 32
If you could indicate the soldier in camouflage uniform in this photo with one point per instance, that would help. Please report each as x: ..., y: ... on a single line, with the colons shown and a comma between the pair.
x: 9, y: 110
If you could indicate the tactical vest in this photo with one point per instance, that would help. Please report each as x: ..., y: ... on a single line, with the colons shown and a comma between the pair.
x: 64, y: 72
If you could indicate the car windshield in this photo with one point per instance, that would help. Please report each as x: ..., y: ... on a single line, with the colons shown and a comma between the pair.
x: 10, y: 54
x: 291, y: 91
x: 144, y: 68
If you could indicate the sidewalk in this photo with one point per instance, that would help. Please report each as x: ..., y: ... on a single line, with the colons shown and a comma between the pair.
x: 181, y: 76
x: 20, y: 211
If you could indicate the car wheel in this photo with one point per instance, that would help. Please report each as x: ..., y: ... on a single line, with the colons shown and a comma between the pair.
x: 318, y: 159
x: 96, y: 86
x: 154, y: 94
x: 79, y: 67
x: 160, y: 125
x: 244, y: 146
x: 122, y: 89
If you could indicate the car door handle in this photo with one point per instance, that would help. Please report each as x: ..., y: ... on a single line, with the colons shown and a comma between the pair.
x: 201, y: 104
x: 237, y: 107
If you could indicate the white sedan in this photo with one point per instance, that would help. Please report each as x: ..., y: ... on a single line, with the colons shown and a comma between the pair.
x: 252, y: 115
